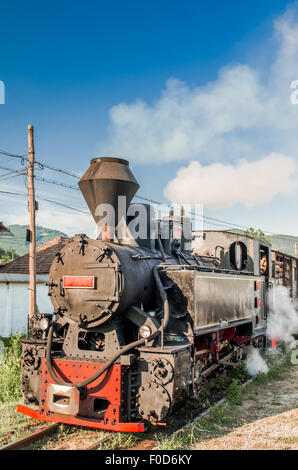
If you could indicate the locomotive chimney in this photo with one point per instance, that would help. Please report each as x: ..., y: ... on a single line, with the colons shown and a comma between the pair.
x: 105, y: 180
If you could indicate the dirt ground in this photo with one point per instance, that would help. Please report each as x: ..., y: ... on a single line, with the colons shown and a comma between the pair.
x: 267, y: 419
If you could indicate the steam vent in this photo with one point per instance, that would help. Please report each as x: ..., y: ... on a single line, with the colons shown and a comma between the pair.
x: 105, y: 180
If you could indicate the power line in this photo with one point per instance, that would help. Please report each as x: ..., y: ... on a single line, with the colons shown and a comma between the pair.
x: 60, y: 170
x: 15, y: 194
x: 11, y: 176
x: 41, y: 165
x: 64, y: 205
x: 46, y: 180
x: 80, y: 210
x: 15, y: 155
x: 209, y: 220
x: 227, y: 224
x: 51, y: 201
x: 12, y: 173
x: 88, y: 213
x: 9, y: 169
x: 220, y: 224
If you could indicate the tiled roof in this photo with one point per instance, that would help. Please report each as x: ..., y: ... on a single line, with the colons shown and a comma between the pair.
x: 4, y: 230
x: 45, y: 255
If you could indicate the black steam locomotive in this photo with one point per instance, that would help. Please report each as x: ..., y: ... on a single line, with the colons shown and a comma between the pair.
x: 140, y: 321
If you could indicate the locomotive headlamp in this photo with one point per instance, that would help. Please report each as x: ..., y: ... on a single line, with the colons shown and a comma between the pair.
x: 44, y: 324
x: 145, y: 331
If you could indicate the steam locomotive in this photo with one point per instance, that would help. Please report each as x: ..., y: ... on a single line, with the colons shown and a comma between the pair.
x: 140, y: 321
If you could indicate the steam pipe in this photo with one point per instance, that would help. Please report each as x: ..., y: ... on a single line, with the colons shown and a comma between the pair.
x: 161, y: 248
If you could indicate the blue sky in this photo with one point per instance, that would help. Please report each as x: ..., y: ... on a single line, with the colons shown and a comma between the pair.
x: 101, y: 77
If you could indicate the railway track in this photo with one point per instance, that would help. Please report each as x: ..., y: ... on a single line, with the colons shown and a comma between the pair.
x: 36, y: 436
x: 147, y: 443
x: 93, y: 446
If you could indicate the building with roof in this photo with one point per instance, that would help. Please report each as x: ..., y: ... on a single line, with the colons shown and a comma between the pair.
x: 14, y: 287
x: 4, y: 231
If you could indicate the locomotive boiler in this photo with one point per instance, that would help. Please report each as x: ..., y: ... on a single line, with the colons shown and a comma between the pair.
x: 139, y: 321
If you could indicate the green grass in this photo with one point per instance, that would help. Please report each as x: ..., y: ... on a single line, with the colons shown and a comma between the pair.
x: 120, y: 440
x: 13, y: 425
x: 235, y: 393
x: 219, y: 416
x: 219, y: 384
x: 10, y: 370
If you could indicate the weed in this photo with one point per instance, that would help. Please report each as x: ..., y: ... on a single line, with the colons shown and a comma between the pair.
x: 13, y: 425
x: 235, y: 393
x: 177, y: 442
x: 121, y: 440
x: 10, y: 370
x: 66, y: 430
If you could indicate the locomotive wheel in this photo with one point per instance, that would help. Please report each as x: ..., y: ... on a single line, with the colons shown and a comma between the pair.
x: 154, y: 402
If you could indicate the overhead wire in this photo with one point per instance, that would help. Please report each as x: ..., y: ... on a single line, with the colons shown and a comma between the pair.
x: 41, y: 165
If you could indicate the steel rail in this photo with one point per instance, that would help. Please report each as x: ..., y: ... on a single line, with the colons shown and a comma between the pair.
x: 25, y: 441
x: 98, y: 443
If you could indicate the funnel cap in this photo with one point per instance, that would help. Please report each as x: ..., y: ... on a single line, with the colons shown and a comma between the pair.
x: 105, y: 180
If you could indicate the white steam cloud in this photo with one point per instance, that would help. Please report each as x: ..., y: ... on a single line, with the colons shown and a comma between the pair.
x: 282, y: 321
x: 255, y: 364
x: 248, y: 183
x: 282, y: 325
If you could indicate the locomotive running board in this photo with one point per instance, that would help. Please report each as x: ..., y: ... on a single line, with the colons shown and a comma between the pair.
x: 89, y: 423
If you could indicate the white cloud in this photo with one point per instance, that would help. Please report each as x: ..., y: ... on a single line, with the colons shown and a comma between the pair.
x: 14, y: 210
x: 223, y: 185
x: 245, y: 113
x: 69, y: 222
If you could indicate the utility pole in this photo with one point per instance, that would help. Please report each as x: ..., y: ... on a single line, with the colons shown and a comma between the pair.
x: 32, y: 237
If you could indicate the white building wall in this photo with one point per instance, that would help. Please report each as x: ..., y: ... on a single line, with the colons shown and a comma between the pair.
x: 14, y: 305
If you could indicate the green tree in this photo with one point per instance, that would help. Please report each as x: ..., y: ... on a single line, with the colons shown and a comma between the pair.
x: 257, y: 234
x: 7, y: 255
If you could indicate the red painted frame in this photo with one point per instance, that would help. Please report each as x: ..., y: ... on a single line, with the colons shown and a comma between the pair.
x: 106, y: 387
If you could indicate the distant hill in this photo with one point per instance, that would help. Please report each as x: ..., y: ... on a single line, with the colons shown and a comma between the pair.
x: 284, y: 243
x: 279, y: 242
x: 18, y: 242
